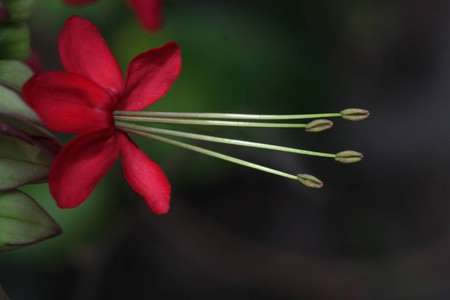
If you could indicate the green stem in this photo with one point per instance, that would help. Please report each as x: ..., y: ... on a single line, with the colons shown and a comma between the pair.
x: 122, y: 125
x: 222, y: 115
x: 210, y: 153
x: 207, y: 122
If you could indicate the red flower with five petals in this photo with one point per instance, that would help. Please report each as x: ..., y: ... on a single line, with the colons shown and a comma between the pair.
x: 149, y: 12
x: 82, y: 99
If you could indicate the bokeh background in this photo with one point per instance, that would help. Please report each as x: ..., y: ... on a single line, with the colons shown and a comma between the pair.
x: 378, y: 229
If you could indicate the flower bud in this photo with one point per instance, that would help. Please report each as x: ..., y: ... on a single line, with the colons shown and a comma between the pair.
x: 348, y: 156
x: 310, y: 181
x: 355, y: 114
x: 4, y: 15
x: 17, y: 10
x: 15, y: 41
x: 318, y: 125
x: 23, y: 221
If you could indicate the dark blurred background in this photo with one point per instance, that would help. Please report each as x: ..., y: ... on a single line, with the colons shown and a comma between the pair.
x: 378, y: 229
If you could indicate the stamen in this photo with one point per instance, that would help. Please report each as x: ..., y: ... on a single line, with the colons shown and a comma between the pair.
x: 214, y: 119
x: 207, y: 122
x: 222, y: 115
x: 125, y: 126
x: 213, y: 154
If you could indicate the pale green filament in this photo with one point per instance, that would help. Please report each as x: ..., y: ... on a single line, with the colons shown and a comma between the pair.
x: 222, y: 115
x: 206, y: 122
x: 210, y: 153
x: 122, y: 125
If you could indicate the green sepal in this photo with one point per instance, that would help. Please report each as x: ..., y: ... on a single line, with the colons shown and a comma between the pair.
x: 9, y: 130
x: 22, y: 163
x: 14, y: 41
x: 33, y: 133
x: 23, y: 221
x: 11, y: 104
x: 19, y: 10
x: 14, y: 72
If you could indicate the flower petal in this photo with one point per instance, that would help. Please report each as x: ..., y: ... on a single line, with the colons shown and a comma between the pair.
x: 80, y: 166
x: 69, y: 102
x: 144, y: 176
x: 149, y: 13
x: 83, y: 51
x: 150, y: 76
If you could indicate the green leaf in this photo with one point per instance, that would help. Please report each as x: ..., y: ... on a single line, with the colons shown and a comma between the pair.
x: 23, y: 221
x: 14, y: 72
x: 14, y: 41
x: 11, y: 104
x: 22, y: 163
x: 19, y: 10
x: 3, y: 295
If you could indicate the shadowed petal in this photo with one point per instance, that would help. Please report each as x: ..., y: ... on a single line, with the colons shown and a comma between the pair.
x: 149, y: 13
x: 80, y: 166
x: 68, y: 102
x: 83, y: 51
x: 150, y: 76
x: 144, y: 176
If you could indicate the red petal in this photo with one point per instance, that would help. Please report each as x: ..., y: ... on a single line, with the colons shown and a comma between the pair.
x: 83, y: 51
x: 149, y: 13
x: 144, y: 176
x: 69, y: 102
x: 80, y: 166
x: 150, y: 75
x: 79, y: 2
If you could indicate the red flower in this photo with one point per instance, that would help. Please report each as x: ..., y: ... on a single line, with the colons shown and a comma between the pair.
x: 82, y: 100
x: 149, y: 12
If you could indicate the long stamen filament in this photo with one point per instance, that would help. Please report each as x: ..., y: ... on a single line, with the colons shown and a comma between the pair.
x: 124, y: 126
x: 223, y: 115
x: 207, y: 122
x: 211, y: 153
x: 216, y: 119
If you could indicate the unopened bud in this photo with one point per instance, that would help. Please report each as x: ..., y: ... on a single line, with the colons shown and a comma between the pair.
x: 355, y: 114
x: 4, y: 15
x: 310, y: 181
x: 348, y: 156
x: 319, y: 125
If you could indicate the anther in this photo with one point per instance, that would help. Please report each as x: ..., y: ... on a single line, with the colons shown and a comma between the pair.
x: 310, y: 181
x: 355, y: 114
x: 348, y: 156
x: 319, y: 125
